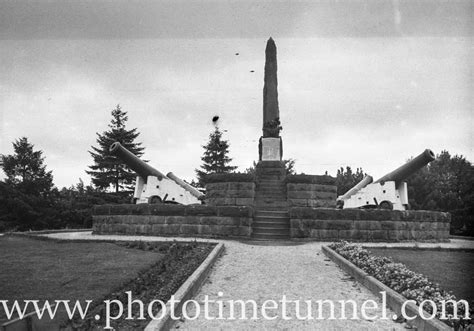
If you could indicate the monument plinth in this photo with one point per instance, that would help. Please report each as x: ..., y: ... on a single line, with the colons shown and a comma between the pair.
x: 270, y: 146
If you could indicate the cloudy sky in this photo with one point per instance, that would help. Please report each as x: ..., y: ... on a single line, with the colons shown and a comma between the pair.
x: 361, y: 83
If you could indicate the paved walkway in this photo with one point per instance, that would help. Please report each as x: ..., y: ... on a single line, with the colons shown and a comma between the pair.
x: 302, y: 272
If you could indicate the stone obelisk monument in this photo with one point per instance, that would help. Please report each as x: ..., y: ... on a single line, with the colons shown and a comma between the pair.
x: 270, y: 146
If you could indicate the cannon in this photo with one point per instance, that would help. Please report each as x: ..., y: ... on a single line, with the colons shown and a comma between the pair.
x: 151, y: 185
x: 388, y: 192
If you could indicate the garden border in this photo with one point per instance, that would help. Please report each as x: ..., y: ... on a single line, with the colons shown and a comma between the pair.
x: 36, y: 232
x: 190, y: 287
x: 394, y: 299
x: 418, y: 248
x: 185, y: 292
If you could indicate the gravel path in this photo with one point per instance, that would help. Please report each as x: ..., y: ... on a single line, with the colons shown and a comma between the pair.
x: 300, y: 272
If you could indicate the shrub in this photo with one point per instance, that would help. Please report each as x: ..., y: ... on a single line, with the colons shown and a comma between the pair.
x: 229, y: 177
x: 397, y: 276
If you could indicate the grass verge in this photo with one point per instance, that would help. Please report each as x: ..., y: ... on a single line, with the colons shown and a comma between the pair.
x: 61, y: 270
x: 411, y: 285
x: 453, y: 270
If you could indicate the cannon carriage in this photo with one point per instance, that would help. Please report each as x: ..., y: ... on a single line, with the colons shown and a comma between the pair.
x: 152, y: 186
x: 388, y: 192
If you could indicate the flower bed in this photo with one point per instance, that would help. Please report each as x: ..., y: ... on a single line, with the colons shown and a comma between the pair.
x: 412, y: 285
x: 158, y: 282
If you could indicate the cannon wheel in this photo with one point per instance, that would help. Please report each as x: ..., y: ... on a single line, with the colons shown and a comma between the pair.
x: 386, y: 205
x: 154, y: 200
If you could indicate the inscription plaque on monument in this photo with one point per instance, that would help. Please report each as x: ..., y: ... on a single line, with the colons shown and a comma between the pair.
x: 271, y: 149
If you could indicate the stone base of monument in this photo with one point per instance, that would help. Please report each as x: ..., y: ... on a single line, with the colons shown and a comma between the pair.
x: 271, y: 206
x: 173, y: 220
x: 368, y: 225
x: 298, y: 223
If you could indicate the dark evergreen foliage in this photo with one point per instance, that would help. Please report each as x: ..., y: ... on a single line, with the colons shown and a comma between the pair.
x: 25, y: 170
x: 108, y: 170
x: 229, y: 177
x: 27, y: 195
x: 215, y: 158
x: 311, y: 179
x: 346, y: 179
x: 289, y: 167
x: 29, y: 200
x: 446, y: 184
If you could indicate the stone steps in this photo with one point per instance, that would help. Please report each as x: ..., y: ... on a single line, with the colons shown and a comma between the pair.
x: 272, y: 231
x: 264, y: 203
x: 271, y: 208
x: 270, y: 188
x: 271, y: 219
x: 273, y: 195
x: 271, y: 225
x: 278, y: 178
x: 271, y: 183
x: 272, y: 213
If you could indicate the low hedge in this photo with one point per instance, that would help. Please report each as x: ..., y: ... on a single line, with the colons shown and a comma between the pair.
x: 397, y: 276
x: 311, y: 179
x: 228, y: 177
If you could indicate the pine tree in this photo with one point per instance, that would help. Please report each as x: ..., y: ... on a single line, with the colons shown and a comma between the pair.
x: 25, y: 169
x: 108, y: 170
x: 346, y: 179
x: 215, y: 157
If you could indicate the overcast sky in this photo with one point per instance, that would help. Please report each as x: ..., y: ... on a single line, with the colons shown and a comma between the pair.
x: 361, y: 83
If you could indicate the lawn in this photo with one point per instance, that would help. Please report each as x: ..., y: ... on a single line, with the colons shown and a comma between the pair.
x: 48, y: 270
x: 62, y: 270
x: 452, y: 270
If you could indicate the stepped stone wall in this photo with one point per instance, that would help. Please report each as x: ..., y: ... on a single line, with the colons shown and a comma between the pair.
x: 230, y: 194
x: 368, y: 225
x: 311, y: 195
x: 311, y: 191
x: 173, y: 220
x: 306, y: 223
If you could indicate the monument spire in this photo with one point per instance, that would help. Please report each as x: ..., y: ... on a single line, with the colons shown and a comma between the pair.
x: 271, y: 113
x: 270, y: 147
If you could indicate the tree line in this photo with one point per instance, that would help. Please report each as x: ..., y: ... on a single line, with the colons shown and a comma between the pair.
x: 29, y: 199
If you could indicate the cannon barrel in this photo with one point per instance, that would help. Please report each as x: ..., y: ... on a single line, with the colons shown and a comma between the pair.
x: 133, y: 162
x: 412, y: 166
x: 363, y: 183
x: 184, y: 185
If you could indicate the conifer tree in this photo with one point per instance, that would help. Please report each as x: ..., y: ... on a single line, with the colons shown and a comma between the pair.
x: 25, y: 169
x: 215, y: 157
x: 346, y: 179
x: 108, y: 170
